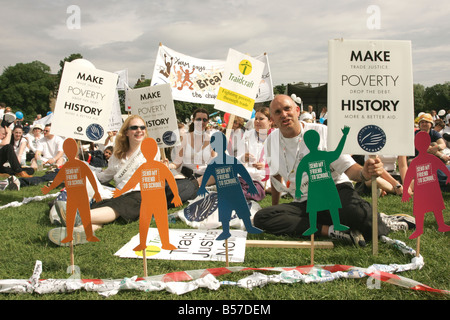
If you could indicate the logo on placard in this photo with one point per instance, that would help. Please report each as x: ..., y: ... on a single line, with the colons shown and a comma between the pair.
x: 169, y: 138
x: 245, y: 67
x: 202, y: 209
x: 371, y: 138
x: 94, y: 131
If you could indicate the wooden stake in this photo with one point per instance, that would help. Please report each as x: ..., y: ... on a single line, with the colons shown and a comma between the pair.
x: 418, y: 247
x: 72, y: 257
x: 144, y: 256
x: 229, y: 126
x: 374, y: 213
x: 227, y: 134
x: 312, y: 249
x: 288, y: 244
x: 226, y: 253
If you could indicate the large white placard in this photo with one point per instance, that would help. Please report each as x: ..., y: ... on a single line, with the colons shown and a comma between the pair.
x: 155, y: 105
x: 198, y: 80
x: 239, y: 86
x: 84, y: 103
x: 192, y: 244
x: 370, y: 89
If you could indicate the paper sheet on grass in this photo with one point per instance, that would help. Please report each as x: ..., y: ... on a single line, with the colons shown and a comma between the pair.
x: 193, y: 244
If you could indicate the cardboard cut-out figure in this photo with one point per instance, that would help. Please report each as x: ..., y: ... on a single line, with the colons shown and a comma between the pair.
x: 152, y: 176
x: 322, y: 192
x: 74, y: 173
x: 427, y: 192
x: 225, y: 169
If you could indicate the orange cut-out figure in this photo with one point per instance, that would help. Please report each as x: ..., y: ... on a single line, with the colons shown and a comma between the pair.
x: 74, y: 173
x: 427, y: 191
x: 152, y: 176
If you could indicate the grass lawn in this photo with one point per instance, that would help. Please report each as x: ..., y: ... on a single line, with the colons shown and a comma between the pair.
x: 24, y: 229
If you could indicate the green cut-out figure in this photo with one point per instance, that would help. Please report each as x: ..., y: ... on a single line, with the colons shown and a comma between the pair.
x: 322, y: 192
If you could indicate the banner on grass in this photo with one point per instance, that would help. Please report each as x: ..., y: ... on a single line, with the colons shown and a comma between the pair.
x: 239, y: 85
x: 192, y: 245
x: 84, y: 102
x: 155, y: 105
x: 198, y: 80
x: 370, y: 89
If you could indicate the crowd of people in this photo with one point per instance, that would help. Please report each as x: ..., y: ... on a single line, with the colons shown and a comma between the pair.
x: 270, y: 146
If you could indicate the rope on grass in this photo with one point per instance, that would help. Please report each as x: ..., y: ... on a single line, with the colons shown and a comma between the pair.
x: 28, y: 200
x: 185, y: 281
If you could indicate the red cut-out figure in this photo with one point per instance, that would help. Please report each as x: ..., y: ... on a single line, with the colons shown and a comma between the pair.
x: 74, y: 173
x: 427, y: 192
x: 152, y: 176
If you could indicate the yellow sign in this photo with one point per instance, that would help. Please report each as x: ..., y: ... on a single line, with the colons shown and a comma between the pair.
x: 245, y: 67
x: 149, y: 251
x: 235, y: 98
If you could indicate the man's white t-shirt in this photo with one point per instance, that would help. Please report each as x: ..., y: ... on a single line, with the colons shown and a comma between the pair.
x: 49, y: 148
x: 283, y: 156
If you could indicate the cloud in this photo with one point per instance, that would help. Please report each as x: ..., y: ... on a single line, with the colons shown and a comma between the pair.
x: 126, y: 34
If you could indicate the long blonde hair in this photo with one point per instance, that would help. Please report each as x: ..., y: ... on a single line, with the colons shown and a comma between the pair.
x: 122, y: 145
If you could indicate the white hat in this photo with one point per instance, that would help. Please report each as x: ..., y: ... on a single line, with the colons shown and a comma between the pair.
x: 38, y: 126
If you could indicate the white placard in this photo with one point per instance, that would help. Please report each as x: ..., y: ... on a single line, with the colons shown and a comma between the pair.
x: 84, y: 103
x: 240, y: 83
x: 198, y: 80
x: 370, y: 89
x: 155, y: 105
x: 192, y: 244
x: 115, y: 121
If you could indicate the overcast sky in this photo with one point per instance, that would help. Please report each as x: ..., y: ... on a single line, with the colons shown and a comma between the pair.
x: 116, y: 35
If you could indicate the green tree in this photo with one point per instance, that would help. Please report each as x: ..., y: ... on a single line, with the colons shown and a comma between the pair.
x: 27, y: 87
x: 419, y: 102
x: 70, y: 58
x: 437, y: 97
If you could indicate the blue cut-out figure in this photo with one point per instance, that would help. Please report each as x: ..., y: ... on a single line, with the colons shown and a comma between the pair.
x: 225, y: 169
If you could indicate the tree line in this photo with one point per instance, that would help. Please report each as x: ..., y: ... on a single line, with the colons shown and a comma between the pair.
x: 30, y: 88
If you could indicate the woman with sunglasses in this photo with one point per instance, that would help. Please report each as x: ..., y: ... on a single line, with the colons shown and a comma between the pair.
x: 195, y: 151
x: 127, y: 157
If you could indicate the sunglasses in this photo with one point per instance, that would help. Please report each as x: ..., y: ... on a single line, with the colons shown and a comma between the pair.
x: 136, y: 127
x: 201, y: 119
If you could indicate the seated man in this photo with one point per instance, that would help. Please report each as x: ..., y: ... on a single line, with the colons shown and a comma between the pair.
x: 50, y: 149
x: 284, y: 149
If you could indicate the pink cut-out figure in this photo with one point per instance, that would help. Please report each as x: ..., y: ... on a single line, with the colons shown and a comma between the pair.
x: 427, y: 192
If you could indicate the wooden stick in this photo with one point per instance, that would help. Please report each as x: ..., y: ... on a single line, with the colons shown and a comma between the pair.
x: 226, y: 253
x: 163, y: 154
x: 288, y: 244
x: 374, y: 213
x: 229, y: 126
x: 144, y: 256
x: 312, y: 249
x: 72, y: 257
x: 418, y: 247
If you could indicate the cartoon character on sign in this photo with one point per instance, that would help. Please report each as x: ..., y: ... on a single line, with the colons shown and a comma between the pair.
x: 186, y: 79
x: 322, y: 192
x: 427, y: 192
x: 74, y: 173
x: 225, y: 169
x: 152, y: 176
